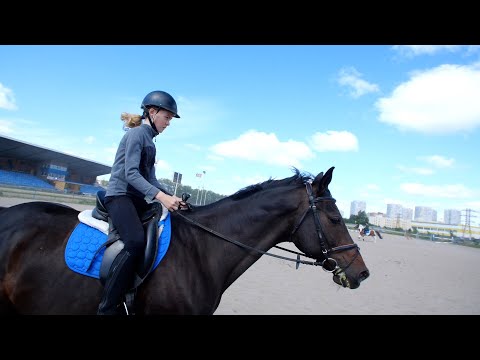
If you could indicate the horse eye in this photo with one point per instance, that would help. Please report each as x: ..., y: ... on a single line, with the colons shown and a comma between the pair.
x: 335, y: 220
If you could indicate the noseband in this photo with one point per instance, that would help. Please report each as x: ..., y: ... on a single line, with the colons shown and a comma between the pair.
x: 328, y: 263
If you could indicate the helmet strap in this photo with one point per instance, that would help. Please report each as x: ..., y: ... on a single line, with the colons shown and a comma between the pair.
x: 152, y: 124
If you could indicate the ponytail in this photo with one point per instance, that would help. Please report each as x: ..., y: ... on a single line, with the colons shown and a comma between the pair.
x: 131, y: 120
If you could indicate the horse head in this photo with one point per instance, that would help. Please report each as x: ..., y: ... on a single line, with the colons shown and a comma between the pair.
x: 322, y: 234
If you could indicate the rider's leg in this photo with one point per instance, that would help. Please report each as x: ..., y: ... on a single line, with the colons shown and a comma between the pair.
x: 119, y: 280
x: 125, y: 217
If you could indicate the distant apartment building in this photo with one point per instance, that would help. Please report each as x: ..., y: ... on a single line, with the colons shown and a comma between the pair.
x: 394, y: 210
x: 452, y: 217
x: 357, y: 206
x: 407, y: 214
x: 397, y: 211
x: 425, y: 214
x: 379, y: 219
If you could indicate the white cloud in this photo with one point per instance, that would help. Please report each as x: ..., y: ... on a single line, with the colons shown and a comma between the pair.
x: 422, y: 171
x: 418, y: 50
x: 6, y: 127
x: 246, y: 181
x: 215, y: 157
x: 197, y: 117
x: 193, y: 147
x: 265, y: 148
x: 415, y: 50
x: 103, y: 155
x: 441, y: 100
x: 36, y: 135
x: 162, y: 165
x: 7, y: 100
x: 415, y: 170
x: 163, y: 169
x: 403, y: 202
x: 351, y: 78
x: 473, y: 205
x: 438, y: 161
x: 90, y: 139
x: 437, y: 191
x: 334, y: 141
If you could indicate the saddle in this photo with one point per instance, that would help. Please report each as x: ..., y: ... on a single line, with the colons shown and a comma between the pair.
x: 114, y: 243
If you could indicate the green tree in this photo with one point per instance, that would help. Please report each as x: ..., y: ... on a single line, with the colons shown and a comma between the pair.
x: 361, y: 218
x: 197, y: 196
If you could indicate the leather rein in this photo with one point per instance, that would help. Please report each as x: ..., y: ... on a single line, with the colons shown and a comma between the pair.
x: 328, y: 264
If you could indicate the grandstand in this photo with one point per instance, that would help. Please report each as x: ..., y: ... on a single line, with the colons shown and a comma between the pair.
x: 38, y: 168
x: 21, y: 179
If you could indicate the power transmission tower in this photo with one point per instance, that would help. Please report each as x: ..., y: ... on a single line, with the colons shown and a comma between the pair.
x: 466, y: 226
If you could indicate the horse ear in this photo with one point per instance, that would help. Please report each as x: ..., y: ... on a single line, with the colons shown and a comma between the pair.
x: 321, y: 182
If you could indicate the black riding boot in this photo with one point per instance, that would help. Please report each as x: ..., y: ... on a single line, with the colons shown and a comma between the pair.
x: 119, y: 281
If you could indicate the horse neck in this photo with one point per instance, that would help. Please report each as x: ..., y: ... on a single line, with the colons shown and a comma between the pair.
x: 234, y: 222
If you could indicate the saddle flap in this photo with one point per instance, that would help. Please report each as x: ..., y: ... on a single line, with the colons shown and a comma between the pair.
x: 109, y: 255
x: 151, y: 230
x: 146, y: 264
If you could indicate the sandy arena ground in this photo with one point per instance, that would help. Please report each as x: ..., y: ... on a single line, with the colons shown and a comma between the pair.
x: 407, y: 277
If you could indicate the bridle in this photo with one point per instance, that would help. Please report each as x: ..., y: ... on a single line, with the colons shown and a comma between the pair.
x: 328, y: 264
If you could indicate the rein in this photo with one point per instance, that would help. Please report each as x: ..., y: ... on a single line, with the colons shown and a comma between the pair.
x: 298, y: 261
x: 328, y: 264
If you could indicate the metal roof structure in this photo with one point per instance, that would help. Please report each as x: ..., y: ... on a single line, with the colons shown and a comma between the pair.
x: 11, y: 148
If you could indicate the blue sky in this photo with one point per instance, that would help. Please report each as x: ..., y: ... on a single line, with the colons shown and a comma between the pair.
x: 399, y: 123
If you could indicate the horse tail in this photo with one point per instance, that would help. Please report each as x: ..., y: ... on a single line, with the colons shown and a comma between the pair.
x: 378, y: 233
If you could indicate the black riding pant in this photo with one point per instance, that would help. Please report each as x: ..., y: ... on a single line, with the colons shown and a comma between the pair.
x: 125, y: 212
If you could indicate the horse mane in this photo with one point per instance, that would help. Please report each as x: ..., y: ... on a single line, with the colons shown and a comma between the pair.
x: 299, y: 178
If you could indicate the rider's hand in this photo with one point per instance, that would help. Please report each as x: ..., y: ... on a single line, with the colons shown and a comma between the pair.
x: 171, y: 202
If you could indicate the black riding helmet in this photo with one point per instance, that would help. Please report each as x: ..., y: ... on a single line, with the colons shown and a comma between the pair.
x: 162, y: 100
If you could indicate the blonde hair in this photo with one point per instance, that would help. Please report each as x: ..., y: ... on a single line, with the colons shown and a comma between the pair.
x: 131, y: 120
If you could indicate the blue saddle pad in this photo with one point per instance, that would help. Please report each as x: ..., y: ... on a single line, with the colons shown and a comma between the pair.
x: 85, y: 241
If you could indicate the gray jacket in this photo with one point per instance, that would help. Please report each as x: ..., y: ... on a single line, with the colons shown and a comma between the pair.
x: 133, y: 171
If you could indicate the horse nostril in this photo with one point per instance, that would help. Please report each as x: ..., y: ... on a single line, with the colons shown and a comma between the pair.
x: 364, y: 274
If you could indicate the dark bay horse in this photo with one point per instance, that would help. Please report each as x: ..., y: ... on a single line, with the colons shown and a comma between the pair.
x: 211, y: 246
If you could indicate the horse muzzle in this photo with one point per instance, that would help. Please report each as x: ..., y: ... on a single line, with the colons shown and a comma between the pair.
x: 341, y: 278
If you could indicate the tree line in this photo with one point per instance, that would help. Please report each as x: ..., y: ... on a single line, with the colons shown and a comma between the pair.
x: 360, y: 218
x: 197, y: 196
